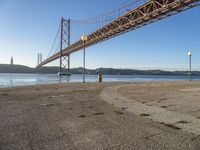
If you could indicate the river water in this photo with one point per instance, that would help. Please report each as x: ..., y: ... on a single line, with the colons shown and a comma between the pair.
x: 10, y: 80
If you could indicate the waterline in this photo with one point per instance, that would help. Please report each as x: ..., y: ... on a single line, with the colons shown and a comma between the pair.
x: 10, y: 80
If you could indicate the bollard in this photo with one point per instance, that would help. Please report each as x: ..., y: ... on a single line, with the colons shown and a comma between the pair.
x: 100, y: 76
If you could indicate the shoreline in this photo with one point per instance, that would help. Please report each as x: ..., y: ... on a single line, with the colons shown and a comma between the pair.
x: 119, y: 82
x: 7, y: 81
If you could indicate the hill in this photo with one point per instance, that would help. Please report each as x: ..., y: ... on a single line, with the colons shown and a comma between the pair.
x: 5, y: 68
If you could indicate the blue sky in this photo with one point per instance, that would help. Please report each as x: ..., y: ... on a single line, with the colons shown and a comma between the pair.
x: 29, y: 26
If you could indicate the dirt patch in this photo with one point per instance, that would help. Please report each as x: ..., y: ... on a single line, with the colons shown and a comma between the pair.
x: 145, y: 115
x: 163, y: 99
x: 171, y: 126
x: 163, y: 106
x: 123, y: 108
x: 98, y: 113
x: 118, y: 112
x: 49, y: 104
x: 183, y: 122
x: 4, y: 94
x: 90, y: 107
x: 81, y: 116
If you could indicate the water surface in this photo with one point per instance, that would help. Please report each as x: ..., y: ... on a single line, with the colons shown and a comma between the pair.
x: 10, y: 80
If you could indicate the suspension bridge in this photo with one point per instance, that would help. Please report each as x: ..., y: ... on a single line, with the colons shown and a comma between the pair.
x: 124, y: 18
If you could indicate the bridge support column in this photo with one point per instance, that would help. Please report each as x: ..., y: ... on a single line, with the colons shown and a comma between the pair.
x: 64, y: 42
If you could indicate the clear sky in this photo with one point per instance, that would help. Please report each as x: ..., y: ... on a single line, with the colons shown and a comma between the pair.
x: 29, y: 26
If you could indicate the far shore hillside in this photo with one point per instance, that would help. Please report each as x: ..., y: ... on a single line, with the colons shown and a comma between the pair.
x: 6, y: 68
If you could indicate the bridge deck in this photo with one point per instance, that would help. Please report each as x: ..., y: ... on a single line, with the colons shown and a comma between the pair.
x: 149, y: 12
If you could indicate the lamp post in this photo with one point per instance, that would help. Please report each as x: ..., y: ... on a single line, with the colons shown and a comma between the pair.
x: 84, y: 38
x: 190, y: 64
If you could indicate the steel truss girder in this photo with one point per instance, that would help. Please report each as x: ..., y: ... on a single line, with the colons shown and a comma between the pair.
x: 151, y: 11
x: 65, y: 62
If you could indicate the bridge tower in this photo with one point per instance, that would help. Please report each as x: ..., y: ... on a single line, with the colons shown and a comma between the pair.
x: 39, y: 58
x: 64, y: 68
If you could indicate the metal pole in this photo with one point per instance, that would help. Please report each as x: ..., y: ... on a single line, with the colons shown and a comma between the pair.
x: 190, y: 57
x: 84, y: 63
x: 61, y: 40
x: 69, y: 34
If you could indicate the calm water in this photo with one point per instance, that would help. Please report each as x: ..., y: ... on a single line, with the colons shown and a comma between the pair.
x: 9, y: 80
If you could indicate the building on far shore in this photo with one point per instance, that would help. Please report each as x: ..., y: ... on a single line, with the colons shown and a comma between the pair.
x: 11, y: 60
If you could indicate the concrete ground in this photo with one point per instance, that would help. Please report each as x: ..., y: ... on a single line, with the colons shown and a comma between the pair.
x: 74, y: 116
x: 183, y: 97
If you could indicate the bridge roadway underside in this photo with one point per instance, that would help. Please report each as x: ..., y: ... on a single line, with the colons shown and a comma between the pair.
x: 147, y: 13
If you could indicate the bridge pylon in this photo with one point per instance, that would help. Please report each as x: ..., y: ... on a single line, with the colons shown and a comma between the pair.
x: 64, y: 68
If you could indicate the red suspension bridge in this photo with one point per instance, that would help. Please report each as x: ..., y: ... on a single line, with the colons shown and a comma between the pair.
x: 125, y: 18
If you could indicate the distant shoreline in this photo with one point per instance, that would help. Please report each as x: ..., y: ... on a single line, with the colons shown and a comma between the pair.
x: 6, y: 68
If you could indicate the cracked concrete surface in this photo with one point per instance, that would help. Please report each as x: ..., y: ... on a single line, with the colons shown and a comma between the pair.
x: 47, y: 117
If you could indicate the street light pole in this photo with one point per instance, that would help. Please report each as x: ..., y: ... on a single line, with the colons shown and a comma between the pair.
x: 190, y: 64
x: 61, y: 44
x: 84, y: 62
x: 84, y: 39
